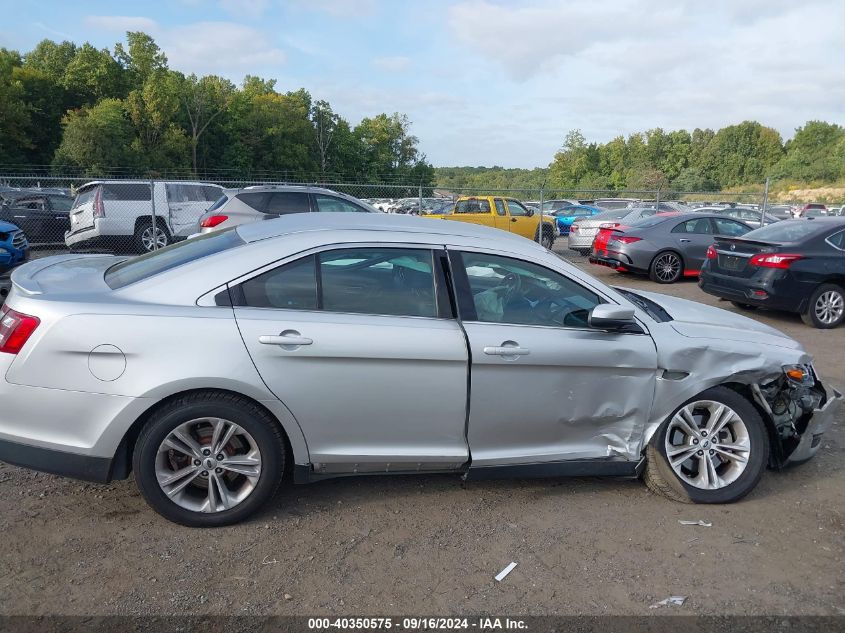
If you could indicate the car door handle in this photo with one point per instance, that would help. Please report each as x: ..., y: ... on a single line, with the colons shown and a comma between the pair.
x: 513, y: 219
x: 284, y: 340
x: 506, y: 351
x: 685, y: 240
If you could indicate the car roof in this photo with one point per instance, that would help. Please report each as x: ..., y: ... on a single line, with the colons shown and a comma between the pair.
x: 309, y: 222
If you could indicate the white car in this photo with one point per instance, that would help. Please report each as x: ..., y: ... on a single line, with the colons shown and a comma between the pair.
x: 116, y: 213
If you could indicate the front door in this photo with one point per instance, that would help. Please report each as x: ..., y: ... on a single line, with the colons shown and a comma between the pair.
x: 522, y: 221
x: 544, y: 386
x: 361, y: 348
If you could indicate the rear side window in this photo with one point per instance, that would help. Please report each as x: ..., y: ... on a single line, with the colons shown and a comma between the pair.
x: 700, y: 226
x: 128, y: 191
x: 500, y: 207
x: 210, y: 194
x: 143, y: 267
x: 220, y: 202
x: 286, y: 202
x: 472, y: 205
x: 336, y: 205
x: 837, y: 240
x: 289, y: 287
x: 254, y: 199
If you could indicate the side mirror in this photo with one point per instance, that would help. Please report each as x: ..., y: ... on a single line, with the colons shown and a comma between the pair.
x: 530, y: 212
x: 614, y: 318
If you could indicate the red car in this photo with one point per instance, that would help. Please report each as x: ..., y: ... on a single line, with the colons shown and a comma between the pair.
x: 813, y: 206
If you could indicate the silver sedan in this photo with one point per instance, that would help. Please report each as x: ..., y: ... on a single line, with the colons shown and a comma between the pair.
x: 361, y: 344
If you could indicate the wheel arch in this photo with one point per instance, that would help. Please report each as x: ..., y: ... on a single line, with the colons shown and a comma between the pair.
x: 121, y: 465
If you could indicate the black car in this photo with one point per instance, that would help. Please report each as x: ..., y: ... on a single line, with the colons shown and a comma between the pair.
x: 42, y: 216
x: 793, y: 265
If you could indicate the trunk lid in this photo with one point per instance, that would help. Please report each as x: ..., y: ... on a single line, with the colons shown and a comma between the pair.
x: 733, y: 255
x: 63, y: 274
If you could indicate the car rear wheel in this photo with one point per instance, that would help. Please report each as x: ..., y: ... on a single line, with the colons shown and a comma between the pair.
x: 149, y: 238
x: 713, y: 449
x: 826, y: 308
x: 209, y: 459
x: 666, y: 268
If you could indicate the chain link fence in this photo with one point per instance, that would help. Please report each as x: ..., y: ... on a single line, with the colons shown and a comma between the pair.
x: 47, y: 215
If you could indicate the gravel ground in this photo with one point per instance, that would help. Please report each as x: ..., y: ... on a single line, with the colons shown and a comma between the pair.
x: 432, y: 544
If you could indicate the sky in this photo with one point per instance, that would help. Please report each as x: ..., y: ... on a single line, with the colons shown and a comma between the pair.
x: 489, y: 82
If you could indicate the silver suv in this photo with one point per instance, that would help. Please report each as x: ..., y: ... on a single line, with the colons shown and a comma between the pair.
x: 264, y: 202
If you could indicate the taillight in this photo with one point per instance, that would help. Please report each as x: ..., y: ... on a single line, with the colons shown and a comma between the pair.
x: 213, y: 220
x: 711, y: 252
x: 626, y: 239
x: 99, y: 209
x: 573, y: 228
x: 15, y: 330
x: 774, y: 260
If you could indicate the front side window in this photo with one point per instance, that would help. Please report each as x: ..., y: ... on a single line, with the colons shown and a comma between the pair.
x: 517, y: 209
x: 336, y: 205
x: 61, y: 203
x: 287, y: 202
x: 513, y: 291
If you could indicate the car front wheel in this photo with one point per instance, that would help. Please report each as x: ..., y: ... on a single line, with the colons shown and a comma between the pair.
x: 713, y: 449
x: 826, y: 308
x: 209, y: 459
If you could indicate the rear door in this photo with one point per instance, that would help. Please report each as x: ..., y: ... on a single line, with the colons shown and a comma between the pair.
x: 359, y: 343
x: 692, y: 238
x: 29, y: 214
x: 58, y: 220
x: 187, y: 202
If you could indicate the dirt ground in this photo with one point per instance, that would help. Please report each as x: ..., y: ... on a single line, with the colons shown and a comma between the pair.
x: 431, y: 545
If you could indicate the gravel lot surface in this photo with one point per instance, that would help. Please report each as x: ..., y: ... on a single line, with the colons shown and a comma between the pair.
x: 432, y: 544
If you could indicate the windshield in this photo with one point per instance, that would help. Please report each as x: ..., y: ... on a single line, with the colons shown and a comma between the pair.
x: 143, y: 267
x: 784, y: 231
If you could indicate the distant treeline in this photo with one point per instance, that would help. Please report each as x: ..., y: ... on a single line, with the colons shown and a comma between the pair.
x: 95, y: 111
x: 703, y: 160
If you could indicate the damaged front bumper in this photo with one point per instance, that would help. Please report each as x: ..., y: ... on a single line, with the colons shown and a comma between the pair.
x: 820, y: 421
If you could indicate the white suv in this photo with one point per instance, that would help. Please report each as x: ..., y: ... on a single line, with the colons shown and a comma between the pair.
x: 113, y: 213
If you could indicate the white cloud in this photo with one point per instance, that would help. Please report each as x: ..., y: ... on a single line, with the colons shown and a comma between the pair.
x: 220, y: 48
x: 121, y: 23
x: 249, y: 8
x: 392, y: 64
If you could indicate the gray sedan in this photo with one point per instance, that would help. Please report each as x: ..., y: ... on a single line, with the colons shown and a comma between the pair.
x: 584, y: 230
x: 666, y: 246
x: 369, y: 344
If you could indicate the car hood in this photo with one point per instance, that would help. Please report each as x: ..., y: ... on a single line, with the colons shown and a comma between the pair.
x: 697, y: 320
x: 6, y: 227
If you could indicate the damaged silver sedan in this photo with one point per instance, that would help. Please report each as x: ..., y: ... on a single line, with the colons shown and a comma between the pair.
x: 315, y: 347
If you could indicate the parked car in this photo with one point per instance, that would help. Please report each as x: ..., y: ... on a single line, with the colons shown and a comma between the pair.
x: 565, y: 216
x: 14, y: 247
x: 242, y: 206
x: 795, y: 265
x: 781, y: 211
x: 554, y: 205
x: 667, y: 246
x: 612, y: 203
x: 584, y: 231
x: 250, y: 324
x: 818, y: 209
x: 748, y: 216
x: 505, y: 214
x: 118, y: 213
x: 43, y: 217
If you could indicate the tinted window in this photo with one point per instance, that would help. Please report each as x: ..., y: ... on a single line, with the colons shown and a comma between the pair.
x: 145, y: 266
x: 472, y: 205
x: 784, y: 231
x: 500, y: 207
x: 516, y: 208
x: 838, y: 240
x: 180, y: 192
x: 387, y: 281
x: 729, y: 227
x: 254, y: 199
x: 61, y: 203
x: 220, y: 202
x: 336, y: 205
x: 286, y: 202
x: 700, y: 226
x: 508, y: 290
x: 128, y: 191
x: 289, y: 287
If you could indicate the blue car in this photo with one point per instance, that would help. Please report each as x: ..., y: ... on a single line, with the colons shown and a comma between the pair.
x: 14, y: 247
x: 565, y: 216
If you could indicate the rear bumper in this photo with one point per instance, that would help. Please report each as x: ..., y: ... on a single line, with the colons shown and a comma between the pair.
x: 84, y: 467
x: 578, y: 242
x: 610, y: 262
x: 780, y: 295
x: 818, y: 425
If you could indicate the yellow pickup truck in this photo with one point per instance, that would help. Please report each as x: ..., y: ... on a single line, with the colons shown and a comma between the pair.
x: 501, y: 213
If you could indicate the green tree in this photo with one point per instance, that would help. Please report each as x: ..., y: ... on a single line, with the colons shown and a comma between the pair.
x: 97, y: 138
x: 740, y: 154
x: 93, y: 75
x: 153, y: 110
x: 204, y: 99
x: 14, y: 111
x: 812, y: 154
x: 570, y: 164
x: 389, y: 152
x: 141, y: 58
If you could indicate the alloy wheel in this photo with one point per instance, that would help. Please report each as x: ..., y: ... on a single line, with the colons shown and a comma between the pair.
x: 829, y: 307
x: 707, y: 445
x: 153, y: 238
x: 667, y: 268
x: 208, y: 465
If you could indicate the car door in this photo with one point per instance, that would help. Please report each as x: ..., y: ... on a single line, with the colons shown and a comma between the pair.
x: 544, y: 386
x: 186, y: 203
x: 522, y: 221
x: 58, y: 221
x: 359, y: 343
x: 29, y: 215
x: 692, y: 238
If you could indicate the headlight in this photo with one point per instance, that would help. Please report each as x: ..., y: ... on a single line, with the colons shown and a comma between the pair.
x: 799, y: 374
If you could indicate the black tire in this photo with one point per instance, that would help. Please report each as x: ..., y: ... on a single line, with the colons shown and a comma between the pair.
x: 662, y: 479
x: 743, y: 306
x: 143, y: 234
x: 657, y: 272
x: 548, y: 238
x: 264, y: 430
x: 814, y: 316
